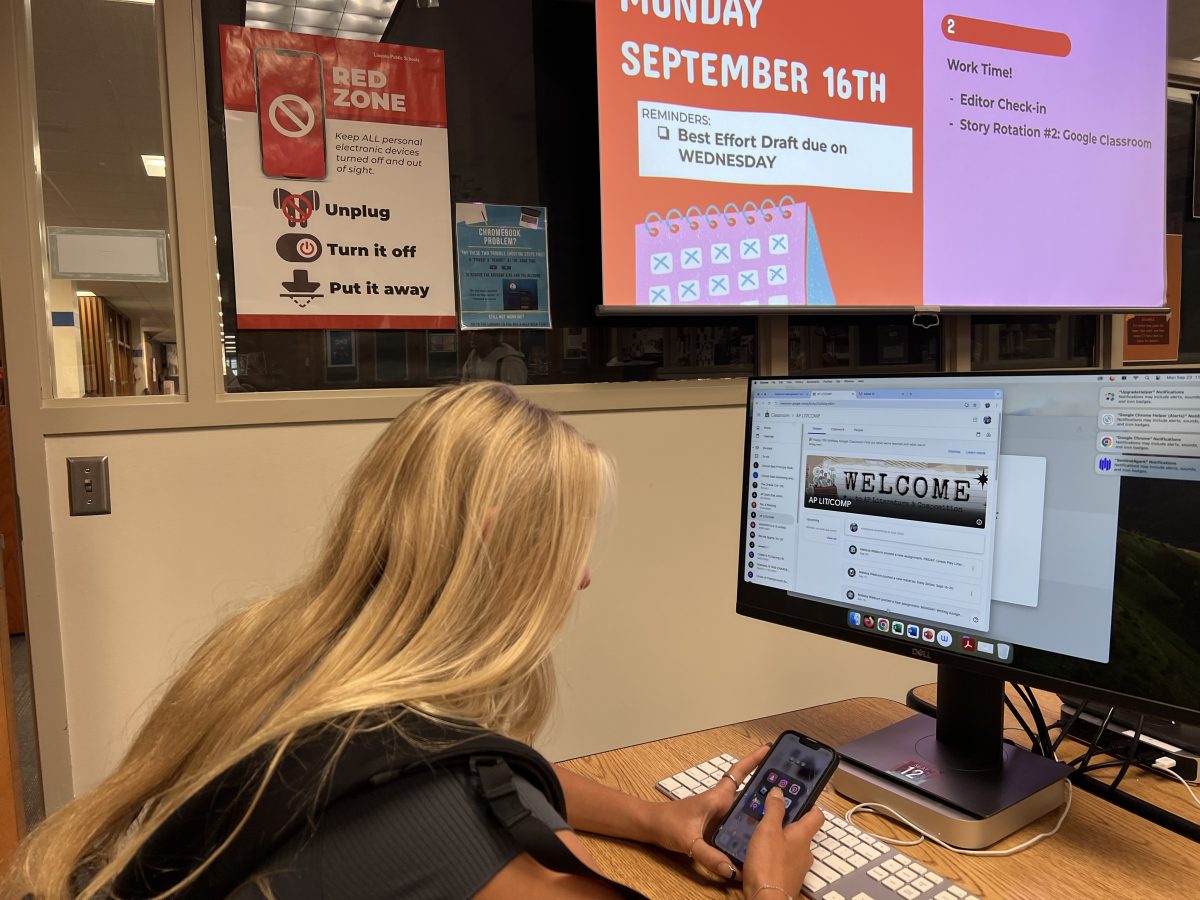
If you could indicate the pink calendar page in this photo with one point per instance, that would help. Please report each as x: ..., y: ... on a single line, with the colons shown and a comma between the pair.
x: 735, y: 257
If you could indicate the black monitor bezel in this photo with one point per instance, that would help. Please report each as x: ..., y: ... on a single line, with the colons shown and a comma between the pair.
x: 830, y: 618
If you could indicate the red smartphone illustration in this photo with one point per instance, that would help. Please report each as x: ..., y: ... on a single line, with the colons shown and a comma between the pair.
x: 291, y: 112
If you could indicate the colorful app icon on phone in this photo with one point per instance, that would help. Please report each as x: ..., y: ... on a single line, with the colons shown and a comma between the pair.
x: 772, y: 777
x: 794, y: 789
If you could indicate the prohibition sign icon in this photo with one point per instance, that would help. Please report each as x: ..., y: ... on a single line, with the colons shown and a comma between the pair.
x: 291, y: 116
x: 297, y: 209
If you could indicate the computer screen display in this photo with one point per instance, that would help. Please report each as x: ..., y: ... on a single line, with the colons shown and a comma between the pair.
x: 1043, y: 525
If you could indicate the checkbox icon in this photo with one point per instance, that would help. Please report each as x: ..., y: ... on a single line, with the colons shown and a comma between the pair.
x: 777, y: 244
x: 718, y: 285
x: 691, y: 258
x: 722, y: 253
x: 689, y: 291
x: 751, y: 248
x: 660, y: 296
x: 664, y: 133
x: 748, y: 280
x: 776, y: 274
x: 660, y: 263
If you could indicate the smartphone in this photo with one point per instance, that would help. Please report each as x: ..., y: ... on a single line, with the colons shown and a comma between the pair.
x: 290, y: 86
x: 800, y: 767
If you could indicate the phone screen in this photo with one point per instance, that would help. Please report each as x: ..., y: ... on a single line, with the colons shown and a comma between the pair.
x: 291, y: 112
x: 797, y: 767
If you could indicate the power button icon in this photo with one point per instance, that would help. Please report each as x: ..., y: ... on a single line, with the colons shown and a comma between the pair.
x: 298, y: 247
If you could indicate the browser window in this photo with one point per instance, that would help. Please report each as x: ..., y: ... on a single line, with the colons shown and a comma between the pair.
x: 895, y: 498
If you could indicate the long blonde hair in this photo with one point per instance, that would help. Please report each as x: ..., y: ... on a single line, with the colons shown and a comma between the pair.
x: 441, y: 585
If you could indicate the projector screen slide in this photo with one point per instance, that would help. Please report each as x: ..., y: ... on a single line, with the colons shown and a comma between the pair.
x: 882, y: 153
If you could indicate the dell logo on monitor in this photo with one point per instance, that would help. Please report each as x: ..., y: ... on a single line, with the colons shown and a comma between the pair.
x: 921, y: 653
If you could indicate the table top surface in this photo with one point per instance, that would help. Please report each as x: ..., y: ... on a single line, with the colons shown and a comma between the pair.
x: 1101, y: 851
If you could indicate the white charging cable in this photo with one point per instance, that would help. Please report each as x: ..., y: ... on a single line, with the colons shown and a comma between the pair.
x: 1167, y: 765
x: 887, y: 811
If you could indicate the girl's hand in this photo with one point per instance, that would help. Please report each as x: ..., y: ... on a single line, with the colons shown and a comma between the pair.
x: 685, y: 825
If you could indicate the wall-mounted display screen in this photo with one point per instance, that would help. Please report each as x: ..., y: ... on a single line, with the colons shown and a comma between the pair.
x: 879, y: 154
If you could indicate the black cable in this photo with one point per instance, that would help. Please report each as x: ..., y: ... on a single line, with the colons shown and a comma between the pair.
x: 1134, y: 744
x: 1082, y: 761
x: 1067, y: 727
x: 1035, y: 710
x: 1033, y: 738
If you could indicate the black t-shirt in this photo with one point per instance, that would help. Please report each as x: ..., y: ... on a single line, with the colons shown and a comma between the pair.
x: 422, y: 837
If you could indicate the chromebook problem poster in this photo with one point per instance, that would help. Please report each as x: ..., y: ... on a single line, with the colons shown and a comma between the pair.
x: 882, y: 153
x: 339, y: 182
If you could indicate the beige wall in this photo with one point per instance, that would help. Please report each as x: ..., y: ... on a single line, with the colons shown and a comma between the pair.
x: 205, y: 519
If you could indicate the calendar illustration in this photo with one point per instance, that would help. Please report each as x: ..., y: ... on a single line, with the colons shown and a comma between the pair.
x: 750, y: 255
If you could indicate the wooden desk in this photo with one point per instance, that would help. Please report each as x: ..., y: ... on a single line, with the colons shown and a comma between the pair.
x: 1101, y: 851
x: 1163, y: 792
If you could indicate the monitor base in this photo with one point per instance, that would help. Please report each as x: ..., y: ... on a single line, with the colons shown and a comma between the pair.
x: 954, y: 795
x: 956, y: 828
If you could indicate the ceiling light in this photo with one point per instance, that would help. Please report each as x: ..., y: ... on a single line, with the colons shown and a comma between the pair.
x: 84, y: 294
x: 156, y: 166
x: 138, y: 2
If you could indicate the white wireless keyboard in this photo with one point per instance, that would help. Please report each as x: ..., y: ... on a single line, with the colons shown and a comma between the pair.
x: 848, y: 864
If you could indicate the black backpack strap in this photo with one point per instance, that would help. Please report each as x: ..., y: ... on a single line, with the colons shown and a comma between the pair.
x: 495, y: 781
x: 302, y: 787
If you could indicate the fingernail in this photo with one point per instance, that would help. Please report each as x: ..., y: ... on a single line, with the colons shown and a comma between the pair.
x: 776, y: 792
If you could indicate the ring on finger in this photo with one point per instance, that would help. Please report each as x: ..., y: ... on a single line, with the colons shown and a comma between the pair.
x: 732, y: 870
x: 736, y: 784
x: 692, y: 846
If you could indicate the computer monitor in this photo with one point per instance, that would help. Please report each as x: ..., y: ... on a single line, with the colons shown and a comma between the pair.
x: 1038, y: 528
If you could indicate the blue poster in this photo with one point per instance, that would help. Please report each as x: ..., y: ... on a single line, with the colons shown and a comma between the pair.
x: 503, y: 269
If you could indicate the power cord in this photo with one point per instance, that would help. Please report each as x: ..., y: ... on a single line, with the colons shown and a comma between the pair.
x: 1167, y: 765
x: 882, y: 809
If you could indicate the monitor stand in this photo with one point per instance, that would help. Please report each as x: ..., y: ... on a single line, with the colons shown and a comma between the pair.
x: 954, y: 776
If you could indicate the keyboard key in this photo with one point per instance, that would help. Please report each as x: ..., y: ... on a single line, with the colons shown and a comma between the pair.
x: 686, y: 780
x: 945, y: 895
x: 922, y: 885
x: 695, y: 772
x: 711, y: 782
x: 918, y: 868
x: 908, y: 893
x: 863, y: 897
x: 893, y: 866
x: 709, y: 769
x: 838, y: 833
x: 854, y: 831
x: 833, y: 895
x: 957, y: 891
x: 868, y: 852
x: 669, y: 783
x: 857, y: 861
x: 893, y: 882
x: 878, y: 873
x: 933, y: 876
x: 813, y: 883
x: 841, y: 865
x: 902, y: 859
x: 729, y: 759
x: 829, y: 874
x: 906, y: 875
x: 681, y: 793
x: 851, y: 841
x: 819, y: 852
x: 844, y: 852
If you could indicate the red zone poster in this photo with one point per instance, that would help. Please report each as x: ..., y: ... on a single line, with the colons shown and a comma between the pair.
x: 339, y: 182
